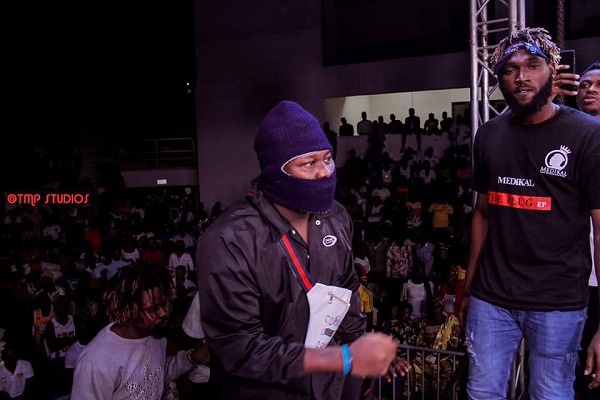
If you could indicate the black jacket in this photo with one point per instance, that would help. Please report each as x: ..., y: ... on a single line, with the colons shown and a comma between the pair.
x: 254, y: 311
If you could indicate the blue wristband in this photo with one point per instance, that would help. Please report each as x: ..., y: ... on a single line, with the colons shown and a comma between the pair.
x: 346, y: 359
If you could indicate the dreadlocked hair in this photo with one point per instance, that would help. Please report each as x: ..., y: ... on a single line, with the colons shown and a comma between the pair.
x: 123, y: 297
x: 538, y: 36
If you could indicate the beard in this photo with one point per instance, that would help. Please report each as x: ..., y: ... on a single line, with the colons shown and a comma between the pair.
x: 538, y: 101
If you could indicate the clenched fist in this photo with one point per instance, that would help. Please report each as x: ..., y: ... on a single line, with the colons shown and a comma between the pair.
x: 373, y: 355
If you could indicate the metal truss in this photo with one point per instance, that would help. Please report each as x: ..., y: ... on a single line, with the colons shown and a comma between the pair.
x: 509, y: 15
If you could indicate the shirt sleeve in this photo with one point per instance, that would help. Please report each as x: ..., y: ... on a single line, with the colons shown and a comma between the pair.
x: 190, y: 262
x: 189, y: 284
x: 176, y: 365
x: 27, y: 369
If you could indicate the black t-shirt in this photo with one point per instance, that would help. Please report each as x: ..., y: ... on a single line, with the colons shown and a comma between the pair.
x: 541, y: 181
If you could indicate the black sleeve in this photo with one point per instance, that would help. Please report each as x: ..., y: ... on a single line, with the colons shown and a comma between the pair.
x: 231, y: 318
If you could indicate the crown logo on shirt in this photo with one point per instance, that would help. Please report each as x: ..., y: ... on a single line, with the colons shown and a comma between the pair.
x: 565, y: 149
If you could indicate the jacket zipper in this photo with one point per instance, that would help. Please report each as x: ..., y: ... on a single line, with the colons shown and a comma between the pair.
x: 332, y: 296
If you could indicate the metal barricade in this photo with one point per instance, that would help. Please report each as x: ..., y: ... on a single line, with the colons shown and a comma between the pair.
x: 427, y: 364
x: 416, y: 382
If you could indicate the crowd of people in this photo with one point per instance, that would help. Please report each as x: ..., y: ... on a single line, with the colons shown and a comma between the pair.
x: 411, y: 217
x: 64, y: 259
x: 434, y: 133
x: 104, y: 299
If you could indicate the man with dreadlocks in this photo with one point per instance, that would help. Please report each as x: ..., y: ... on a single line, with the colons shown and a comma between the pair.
x: 536, y: 172
x: 127, y: 359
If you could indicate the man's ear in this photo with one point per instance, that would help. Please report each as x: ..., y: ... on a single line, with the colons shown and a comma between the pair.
x: 552, y: 68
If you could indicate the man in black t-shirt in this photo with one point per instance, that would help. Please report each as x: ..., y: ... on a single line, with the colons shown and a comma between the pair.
x: 536, y: 172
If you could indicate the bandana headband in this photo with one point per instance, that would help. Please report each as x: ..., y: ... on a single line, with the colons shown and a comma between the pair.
x: 530, y: 47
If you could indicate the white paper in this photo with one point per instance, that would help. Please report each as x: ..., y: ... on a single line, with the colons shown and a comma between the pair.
x: 328, y: 307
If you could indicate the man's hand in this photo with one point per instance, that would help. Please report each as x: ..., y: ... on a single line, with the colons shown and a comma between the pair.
x: 401, y: 365
x: 462, y: 312
x: 201, y: 355
x: 592, y: 363
x: 564, y: 79
x: 373, y: 354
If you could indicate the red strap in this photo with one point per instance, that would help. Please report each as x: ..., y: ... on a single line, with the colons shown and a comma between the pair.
x: 301, y: 273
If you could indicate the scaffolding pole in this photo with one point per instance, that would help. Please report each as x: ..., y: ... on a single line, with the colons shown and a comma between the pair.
x: 509, y: 16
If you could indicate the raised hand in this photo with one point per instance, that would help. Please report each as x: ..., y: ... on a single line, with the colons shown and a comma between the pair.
x: 564, y: 78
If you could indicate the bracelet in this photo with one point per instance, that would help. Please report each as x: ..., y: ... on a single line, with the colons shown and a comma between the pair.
x: 346, y: 359
x: 188, y: 356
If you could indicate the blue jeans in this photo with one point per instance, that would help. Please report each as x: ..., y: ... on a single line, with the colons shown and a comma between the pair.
x: 493, y: 335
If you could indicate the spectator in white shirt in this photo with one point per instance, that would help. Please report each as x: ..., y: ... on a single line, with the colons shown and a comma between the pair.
x: 15, y: 375
x: 188, y: 240
x: 183, y: 286
x: 180, y: 257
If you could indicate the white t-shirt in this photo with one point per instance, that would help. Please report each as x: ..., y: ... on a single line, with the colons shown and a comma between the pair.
x: 383, y: 193
x: 131, y: 256
x: 62, y: 331
x: 427, y: 177
x: 188, y: 240
x: 185, y: 260
x: 14, y: 383
x: 187, y: 284
x: 449, y: 303
x: 115, y: 368
x: 415, y: 294
x: 363, y: 262
x: 53, y: 231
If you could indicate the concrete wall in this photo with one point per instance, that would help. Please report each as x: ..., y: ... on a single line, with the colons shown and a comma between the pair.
x: 168, y: 177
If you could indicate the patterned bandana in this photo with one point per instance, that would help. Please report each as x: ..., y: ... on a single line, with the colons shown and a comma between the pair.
x: 530, y: 47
